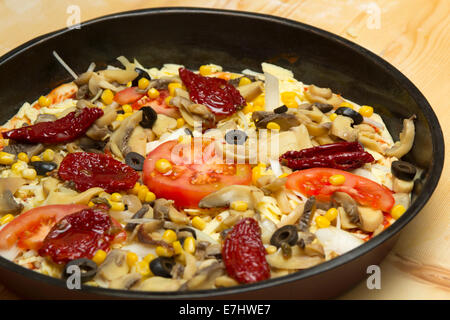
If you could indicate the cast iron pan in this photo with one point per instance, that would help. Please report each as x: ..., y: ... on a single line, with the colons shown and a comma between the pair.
x: 235, y: 40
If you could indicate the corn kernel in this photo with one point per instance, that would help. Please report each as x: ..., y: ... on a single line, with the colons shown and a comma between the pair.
x: 44, y: 101
x: 163, y: 165
x: 6, y: 219
x: 239, y: 205
x: 244, y: 81
x: 248, y: 108
x: 189, y: 245
x: 48, y: 155
x: 172, y: 86
x: 149, y: 196
x: 169, y: 236
x: 132, y: 258
x: 99, y: 256
x: 107, y: 96
x: 366, y: 111
x: 331, y: 214
x: 35, y: 158
x: 322, y: 222
x: 258, y: 108
x: 397, y: 211
x: 29, y: 174
x: 259, y: 101
x: 273, y: 126
x: 167, y: 100
x: 129, y: 84
x: 257, y: 172
x: 163, y: 251
x: 337, y: 179
x: 91, y: 204
x: 153, y: 93
x: 205, y: 70
x: 346, y: 104
x: 198, y: 223
x: 18, y: 167
x: 120, y: 117
x: 283, y: 175
x: 136, y: 188
x: 271, y: 249
x: 127, y: 108
x: 180, y: 122
x: 143, y: 83
x: 149, y: 258
x: 288, y: 95
x: 333, y: 116
x: 117, y: 206
x: 142, y: 193
x: 177, y: 248
x: 7, y: 158
x: 143, y: 268
x: 23, y: 156
x: 116, y: 197
x: 127, y: 114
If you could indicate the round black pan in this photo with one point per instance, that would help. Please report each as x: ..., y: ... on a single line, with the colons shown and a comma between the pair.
x: 235, y: 40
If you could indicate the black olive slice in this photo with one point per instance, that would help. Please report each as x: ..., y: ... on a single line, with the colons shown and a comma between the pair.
x: 141, y: 74
x: 356, y: 116
x: 324, y: 107
x: 162, y: 266
x: 87, y: 267
x: 130, y: 226
x: 148, y: 117
x: 281, y: 109
x: 287, y: 234
x: 403, y: 170
x: 191, y: 231
x: 42, y: 167
x: 135, y: 160
x: 236, y: 137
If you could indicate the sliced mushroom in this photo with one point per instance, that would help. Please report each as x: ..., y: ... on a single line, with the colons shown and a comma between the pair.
x: 314, y: 114
x: 99, y: 130
x: 298, y: 260
x: 370, y: 141
x: 137, y: 142
x: 159, y: 284
x: 163, y: 124
x: 308, y: 213
x: 284, y: 120
x: 118, y: 75
x: 192, y: 112
x: 133, y: 204
x: 204, y: 278
x: 223, y: 197
x: 402, y: 186
x: 370, y: 219
x: 49, y: 184
x: 344, y: 200
x: 345, y: 219
x: 252, y: 90
x: 314, y: 249
x: 72, y: 197
x: 178, y: 216
x: 119, y: 139
x: 45, y: 118
x: 177, y: 271
x: 191, y: 266
x: 292, y: 217
x: 91, y: 145
x: 270, y: 183
x: 125, y: 282
x: 8, y: 204
x: 144, y: 236
x: 30, y: 149
x: 405, y: 144
x: 402, y: 198
x: 161, y: 208
x: 114, y: 267
x: 305, y: 238
x: 341, y: 127
x: 225, y: 282
x: 322, y: 95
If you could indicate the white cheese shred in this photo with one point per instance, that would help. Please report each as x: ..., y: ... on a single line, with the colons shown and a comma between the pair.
x: 61, y: 61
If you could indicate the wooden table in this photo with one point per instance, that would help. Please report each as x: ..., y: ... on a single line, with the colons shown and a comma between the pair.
x: 413, y: 35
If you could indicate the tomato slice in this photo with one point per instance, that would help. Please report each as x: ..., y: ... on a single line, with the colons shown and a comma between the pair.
x: 315, y: 182
x: 158, y: 104
x: 189, y: 181
x: 128, y: 96
x: 30, y: 228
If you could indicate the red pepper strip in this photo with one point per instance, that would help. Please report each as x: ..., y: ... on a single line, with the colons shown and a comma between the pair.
x: 65, y: 129
x: 217, y: 94
x: 325, y: 150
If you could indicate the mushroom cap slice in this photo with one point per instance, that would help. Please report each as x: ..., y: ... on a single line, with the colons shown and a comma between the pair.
x: 297, y: 260
x: 226, y: 195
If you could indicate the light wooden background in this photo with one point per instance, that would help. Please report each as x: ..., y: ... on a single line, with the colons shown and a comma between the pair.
x: 413, y: 35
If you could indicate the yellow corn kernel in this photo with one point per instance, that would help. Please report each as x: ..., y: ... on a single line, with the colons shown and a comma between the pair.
x: 167, y: 100
x: 248, y: 108
x: 99, y: 256
x: 271, y: 249
x: 120, y: 117
x: 257, y: 172
x: 337, y: 179
x: 48, y: 155
x: 142, y: 193
x: 18, y: 167
x: 107, y: 96
x: 239, y: 205
x: 205, y: 70
x: 7, y: 158
x: 153, y: 93
x: 259, y: 101
x: 244, y: 81
x: 149, y: 196
x: 283, y: 175
x: 273, y: 126
x: 172, y: 86
x: 189, y: 245
x: 322, y: 222
x: 35, y: 158
x: 346, y: 104
x: 180, y: 122
x: 366, y: 111
x: 163, y: 252
x: 292, y: 104
x: 143, y: 268
x: 136, y: 188
x: 149, y: 258
x: 169, y: 236
x: 117, y: 206
x: 258, y: 108
x: 116, y: 197
x: 127, y: 114
x: 177, y: 248
x: 198, y: 223
x: 132, y: 258
x: 331, y: 214
x: 23, y: 156
x: 287, y: 96
x: 129, y: 84
x: 44, y: 101
x: 397, y: 211
x: 6, y: 218
x: 143, y: 83
x: 163, y: 165
x: 91, y: 204
x: 127, y: 108
x: 29, y: 174
x: 333, y: 116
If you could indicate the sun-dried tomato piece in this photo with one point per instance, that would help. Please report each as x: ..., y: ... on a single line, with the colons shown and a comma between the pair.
x: 88, y: 170
x: 217, y: 94
x: 243, y: 253
x: 68, y: 128
x: 80, y: 235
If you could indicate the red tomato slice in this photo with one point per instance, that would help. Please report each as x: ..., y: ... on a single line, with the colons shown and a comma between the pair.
x: 159, y: 105
x: 190, y: 181
x: 30, y: 228
x: 315, y: 182
x: 128, y: 96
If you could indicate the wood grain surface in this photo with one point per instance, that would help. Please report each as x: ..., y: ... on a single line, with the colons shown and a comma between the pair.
x: 413, y: 35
